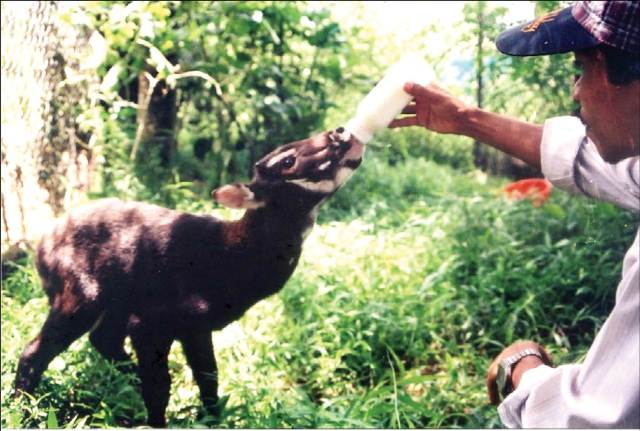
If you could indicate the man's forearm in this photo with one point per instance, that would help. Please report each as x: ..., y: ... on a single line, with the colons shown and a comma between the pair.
x: 517, y: 138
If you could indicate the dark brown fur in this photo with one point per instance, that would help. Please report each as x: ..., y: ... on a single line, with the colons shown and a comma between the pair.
x: 121, y: 269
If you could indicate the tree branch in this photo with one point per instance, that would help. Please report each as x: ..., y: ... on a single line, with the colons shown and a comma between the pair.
x: 218, y: 93
x: 143, y: 108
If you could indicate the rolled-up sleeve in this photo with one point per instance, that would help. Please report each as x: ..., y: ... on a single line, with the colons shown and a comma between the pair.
x: 604, y: 390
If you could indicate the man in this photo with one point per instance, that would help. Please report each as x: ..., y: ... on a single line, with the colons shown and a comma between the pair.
x: 597, y: 157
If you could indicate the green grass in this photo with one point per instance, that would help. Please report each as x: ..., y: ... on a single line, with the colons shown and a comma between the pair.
x: 415, y: 277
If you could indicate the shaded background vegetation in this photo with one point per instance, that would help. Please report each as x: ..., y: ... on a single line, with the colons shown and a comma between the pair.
x: 203, y: 90
x: 418, y: 273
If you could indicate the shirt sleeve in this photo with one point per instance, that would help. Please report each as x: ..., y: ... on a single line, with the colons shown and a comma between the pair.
x: 604, y: 390
x: 601, y: 392
x: 572, y: 163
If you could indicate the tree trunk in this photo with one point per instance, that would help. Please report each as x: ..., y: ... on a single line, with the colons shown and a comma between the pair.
x: 479, y: 153
x: 484, y: 158
x: 157, y: 119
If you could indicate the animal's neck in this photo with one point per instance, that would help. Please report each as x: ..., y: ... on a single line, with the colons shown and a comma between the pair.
x: 270, y: 242
x: 269, y: 227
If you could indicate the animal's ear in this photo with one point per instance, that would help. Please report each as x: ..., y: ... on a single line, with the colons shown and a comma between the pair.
x: 237, y: 196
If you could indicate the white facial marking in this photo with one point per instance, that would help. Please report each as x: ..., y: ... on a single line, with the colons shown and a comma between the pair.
x: 324, y: 186
x: 343, y: 175
x: 279, y: 157
x: 325, y: 165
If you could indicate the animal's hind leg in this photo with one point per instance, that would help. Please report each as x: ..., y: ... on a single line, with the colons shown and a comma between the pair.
x: 108, y: 339
x: 59, y: 330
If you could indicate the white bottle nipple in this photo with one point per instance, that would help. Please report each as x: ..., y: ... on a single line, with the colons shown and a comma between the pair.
x: 387, y: 99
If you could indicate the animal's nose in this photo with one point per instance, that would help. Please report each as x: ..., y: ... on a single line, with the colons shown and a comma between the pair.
x: 345, y: 145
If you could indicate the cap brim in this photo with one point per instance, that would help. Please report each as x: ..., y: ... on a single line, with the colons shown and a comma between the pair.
x: 550, y: 34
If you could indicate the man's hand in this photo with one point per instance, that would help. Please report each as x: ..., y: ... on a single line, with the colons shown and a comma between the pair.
x: 523, y: 365
x: 433, y: 108
x: 437, y: 110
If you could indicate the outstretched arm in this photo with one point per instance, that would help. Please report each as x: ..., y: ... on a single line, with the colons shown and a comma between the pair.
x: 437, y: 110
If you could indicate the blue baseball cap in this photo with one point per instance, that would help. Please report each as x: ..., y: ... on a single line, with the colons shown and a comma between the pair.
x: 584, y: 25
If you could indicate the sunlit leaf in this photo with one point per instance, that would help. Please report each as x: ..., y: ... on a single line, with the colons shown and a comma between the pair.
x: 52, y: 421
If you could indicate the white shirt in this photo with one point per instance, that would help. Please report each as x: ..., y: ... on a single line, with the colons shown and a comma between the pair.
x: 604, y: 391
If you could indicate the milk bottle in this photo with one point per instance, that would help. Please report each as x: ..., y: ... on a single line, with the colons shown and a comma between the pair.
x: 387, y: 99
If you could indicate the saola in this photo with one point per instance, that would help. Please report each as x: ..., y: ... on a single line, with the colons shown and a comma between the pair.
x: 118, y: 269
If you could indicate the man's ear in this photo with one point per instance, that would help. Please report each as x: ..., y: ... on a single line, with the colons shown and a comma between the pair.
x: 237, y: 196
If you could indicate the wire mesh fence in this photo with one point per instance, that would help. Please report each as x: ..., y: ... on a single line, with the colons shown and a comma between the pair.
x: 46, y: 159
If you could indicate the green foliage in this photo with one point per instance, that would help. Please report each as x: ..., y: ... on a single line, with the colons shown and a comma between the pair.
x: 400, y: 145
x: 535, y: 88
x: 250, y: 76
x: 413, y: 280
x: 532, y: 88
x: 284, y: 71
x: 415, y: 277
x: 277, y: 63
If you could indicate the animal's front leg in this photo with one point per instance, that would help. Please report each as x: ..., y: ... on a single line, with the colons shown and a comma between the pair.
x: 198, y: 349
x: 153, y: 353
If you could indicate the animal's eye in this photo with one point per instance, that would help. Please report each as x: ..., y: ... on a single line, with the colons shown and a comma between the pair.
x: 288, y: 162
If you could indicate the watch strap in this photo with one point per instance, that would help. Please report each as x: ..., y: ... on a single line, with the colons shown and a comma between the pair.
x: 513, y: 359
x: 509, y: 362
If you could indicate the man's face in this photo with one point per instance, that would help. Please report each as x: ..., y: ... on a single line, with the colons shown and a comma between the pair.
x: 610, y: 112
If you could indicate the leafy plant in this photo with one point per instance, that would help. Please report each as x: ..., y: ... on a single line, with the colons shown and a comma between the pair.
x: 250, y: 76
x: 400, y: 302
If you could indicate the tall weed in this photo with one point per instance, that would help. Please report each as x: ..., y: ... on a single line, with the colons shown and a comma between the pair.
x: 415, y: 276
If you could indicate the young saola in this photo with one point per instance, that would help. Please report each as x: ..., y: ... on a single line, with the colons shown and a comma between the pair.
x: 129, y: 269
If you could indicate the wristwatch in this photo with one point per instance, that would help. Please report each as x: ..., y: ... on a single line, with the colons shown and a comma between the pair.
x: 505, y: 367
